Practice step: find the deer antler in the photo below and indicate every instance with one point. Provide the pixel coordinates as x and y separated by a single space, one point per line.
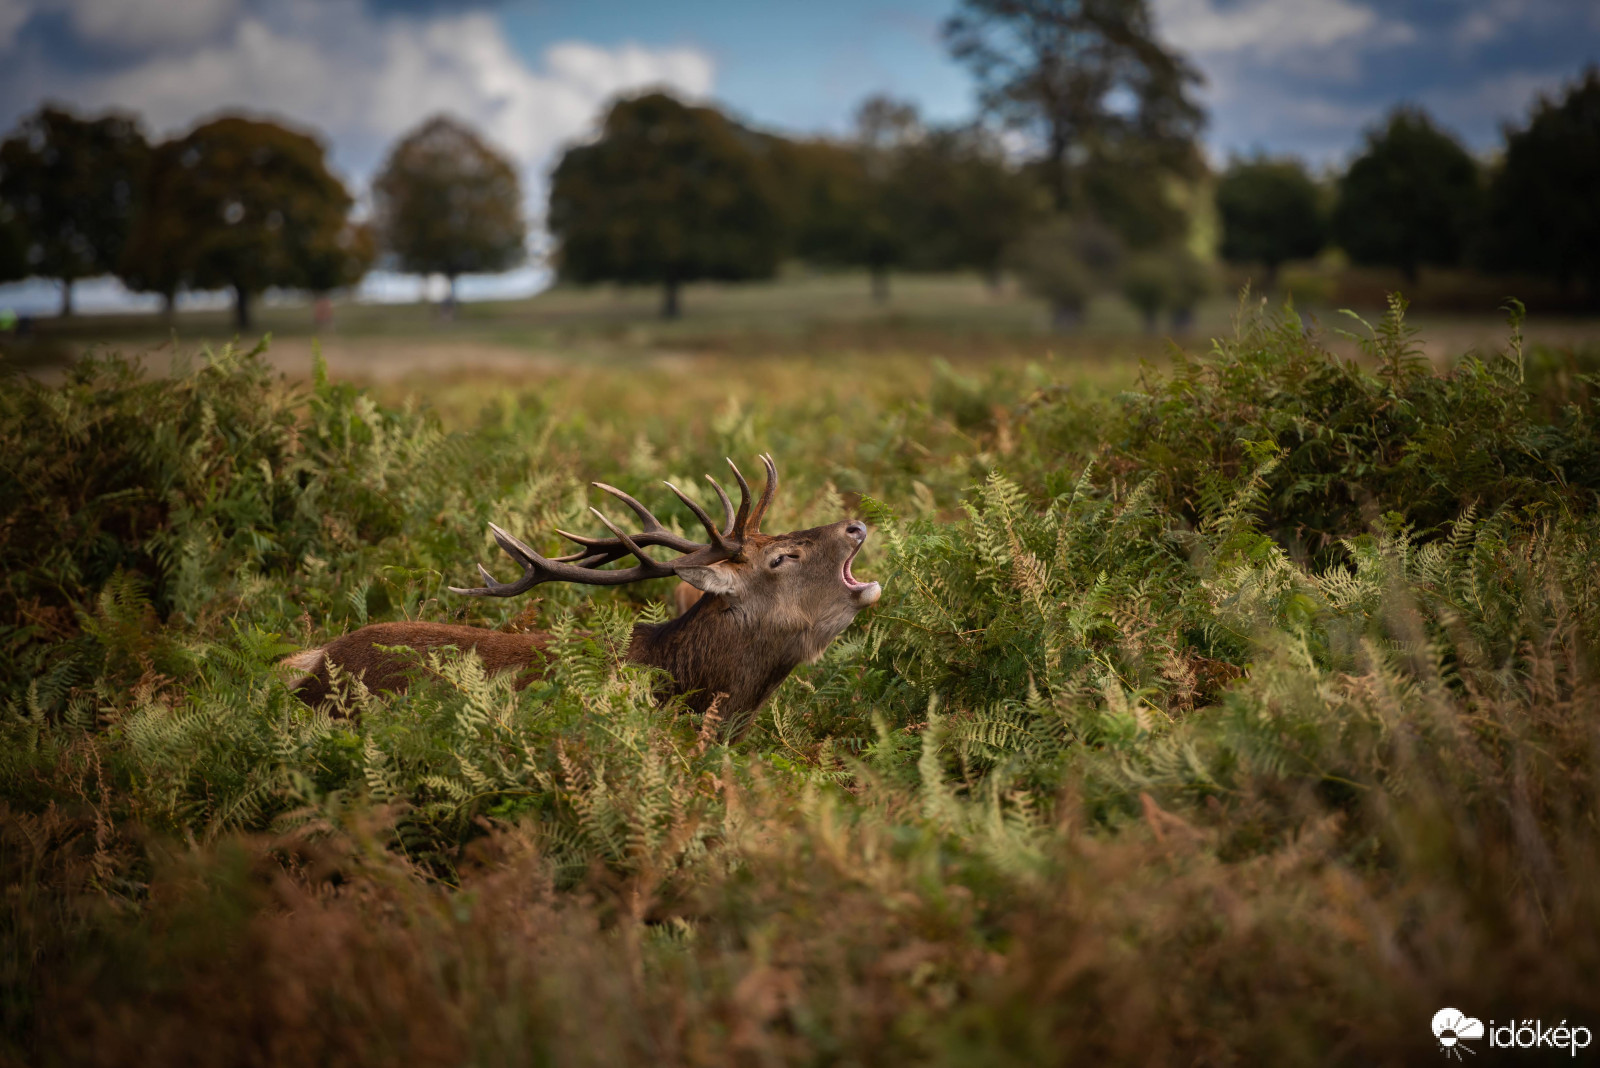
585 565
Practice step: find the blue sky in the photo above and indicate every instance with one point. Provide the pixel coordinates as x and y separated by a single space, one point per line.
1303 76
797 66
1284 76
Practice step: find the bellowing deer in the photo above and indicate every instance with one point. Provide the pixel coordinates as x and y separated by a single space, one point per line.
767 603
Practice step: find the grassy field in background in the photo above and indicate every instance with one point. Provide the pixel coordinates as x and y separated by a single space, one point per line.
817 317
1235 707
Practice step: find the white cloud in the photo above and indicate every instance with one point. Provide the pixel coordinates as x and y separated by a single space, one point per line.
13 13
364 79
1273 29
1506 98
145 25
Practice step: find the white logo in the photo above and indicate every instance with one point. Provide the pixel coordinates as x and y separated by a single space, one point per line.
1452 1027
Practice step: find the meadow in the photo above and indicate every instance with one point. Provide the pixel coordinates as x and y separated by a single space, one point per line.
1237 706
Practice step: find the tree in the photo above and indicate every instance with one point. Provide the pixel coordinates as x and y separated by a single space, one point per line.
340 259
1271 212
160 247
1171 280
448 203
1066 261
1412 198
668 194
1085 77
904 195
822 185
966 205
240 204
886 131
1544 202
73 184
13 245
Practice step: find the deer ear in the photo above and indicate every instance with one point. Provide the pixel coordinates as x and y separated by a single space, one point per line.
709 578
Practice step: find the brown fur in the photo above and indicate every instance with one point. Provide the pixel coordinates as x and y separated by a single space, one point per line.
757 617
358 654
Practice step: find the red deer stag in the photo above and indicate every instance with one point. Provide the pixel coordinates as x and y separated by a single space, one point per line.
768 602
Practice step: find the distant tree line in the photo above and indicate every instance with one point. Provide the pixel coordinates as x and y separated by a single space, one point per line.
1082 175
243 205
1414 197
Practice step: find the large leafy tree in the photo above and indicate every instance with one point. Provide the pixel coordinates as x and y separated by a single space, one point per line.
1271 212
448 203
668 194
240 204
966 204
72 184
158 257
1544 202
1066 261
1412 198
1086 78
13 245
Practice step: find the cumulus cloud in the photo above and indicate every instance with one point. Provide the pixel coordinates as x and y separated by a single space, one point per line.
361 77
13 13
1273 29
146 25
1284 72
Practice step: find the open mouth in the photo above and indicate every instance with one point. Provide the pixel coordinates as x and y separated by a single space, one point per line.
865 592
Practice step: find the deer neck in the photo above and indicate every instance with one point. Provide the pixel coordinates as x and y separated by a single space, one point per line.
715 648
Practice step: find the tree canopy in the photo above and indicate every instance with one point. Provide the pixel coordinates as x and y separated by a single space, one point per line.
1412 198
667 194
448 203
966 204
242 204
1544 202
1066 261
903 194
1271 212
71 186
1084 77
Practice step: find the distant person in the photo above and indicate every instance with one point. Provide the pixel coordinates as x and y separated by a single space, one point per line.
322 312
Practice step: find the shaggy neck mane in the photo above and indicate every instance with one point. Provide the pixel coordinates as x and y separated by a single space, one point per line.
714 648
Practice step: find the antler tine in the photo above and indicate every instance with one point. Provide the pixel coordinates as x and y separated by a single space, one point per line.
744 502
663 538
537 569
705 520
727 505
648 563
651 523
767 493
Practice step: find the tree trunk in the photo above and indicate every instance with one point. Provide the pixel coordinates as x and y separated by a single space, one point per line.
1066 316
241 307
66 298
880 285
1271 281
1152 322
450 296
169 307
670 308
1056 168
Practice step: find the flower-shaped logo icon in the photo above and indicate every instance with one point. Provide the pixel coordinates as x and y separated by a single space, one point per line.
1451 1027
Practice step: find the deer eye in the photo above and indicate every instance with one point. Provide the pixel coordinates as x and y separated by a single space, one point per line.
776 560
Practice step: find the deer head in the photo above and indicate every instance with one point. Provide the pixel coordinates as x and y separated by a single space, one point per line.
771 601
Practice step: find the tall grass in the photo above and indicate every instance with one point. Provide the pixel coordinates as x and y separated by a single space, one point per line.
1249 716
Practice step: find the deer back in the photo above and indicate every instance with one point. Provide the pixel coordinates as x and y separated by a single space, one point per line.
362 654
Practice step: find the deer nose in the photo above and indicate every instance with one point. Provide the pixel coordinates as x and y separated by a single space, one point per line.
857 530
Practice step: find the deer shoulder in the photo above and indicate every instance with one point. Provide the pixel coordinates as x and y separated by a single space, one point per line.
762 604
